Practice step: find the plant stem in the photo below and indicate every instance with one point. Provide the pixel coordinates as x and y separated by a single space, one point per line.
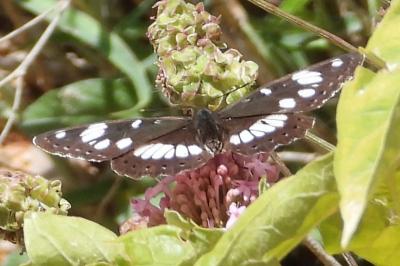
29 24
270 8
318 251
21 70
320 142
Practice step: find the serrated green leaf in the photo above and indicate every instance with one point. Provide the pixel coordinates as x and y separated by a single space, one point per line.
161 245
81 26
279 219
61 240
368 133
76 103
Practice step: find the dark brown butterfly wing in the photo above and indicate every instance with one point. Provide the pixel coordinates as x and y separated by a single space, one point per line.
302 91
168 154
264 133
106 140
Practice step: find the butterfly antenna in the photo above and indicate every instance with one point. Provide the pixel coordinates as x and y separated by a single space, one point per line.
224 95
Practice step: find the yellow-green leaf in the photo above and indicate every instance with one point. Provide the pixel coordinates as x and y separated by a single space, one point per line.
61 240
279 219
368 147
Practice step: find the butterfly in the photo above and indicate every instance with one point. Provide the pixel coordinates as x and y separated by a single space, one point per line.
270 116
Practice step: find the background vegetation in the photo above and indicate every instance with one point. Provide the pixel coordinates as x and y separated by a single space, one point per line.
98 65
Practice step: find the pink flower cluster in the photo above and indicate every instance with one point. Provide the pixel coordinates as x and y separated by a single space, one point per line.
213 195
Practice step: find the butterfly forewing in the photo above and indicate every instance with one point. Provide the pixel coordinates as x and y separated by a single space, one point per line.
168 154
302 91
106 140
152 146
250 135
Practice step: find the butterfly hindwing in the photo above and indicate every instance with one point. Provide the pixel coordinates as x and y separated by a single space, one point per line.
268 117
263 133
168 154
106 140
301 91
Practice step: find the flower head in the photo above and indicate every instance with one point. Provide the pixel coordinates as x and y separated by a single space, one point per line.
22 193
194 70
212 195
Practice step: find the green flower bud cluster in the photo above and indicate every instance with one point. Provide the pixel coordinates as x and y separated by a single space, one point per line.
195 68
21 194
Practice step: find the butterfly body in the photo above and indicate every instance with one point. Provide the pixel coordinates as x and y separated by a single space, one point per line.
209 131
268 117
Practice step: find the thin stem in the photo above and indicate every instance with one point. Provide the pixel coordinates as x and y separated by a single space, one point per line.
20 71
349 259
377 63
13 115
29 24
109 196
26 63
285 171
320 142
304 24
298 157
318 251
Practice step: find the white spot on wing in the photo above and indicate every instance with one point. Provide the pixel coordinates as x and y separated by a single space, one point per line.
306 93
257 133
162 151
337 62
287 103
235 140
123 143
60 134
141 150
274 123
195 150
277 117
306 77
246 136
93 132
150 151
310 80
258 126
102 144
170 154
181 151
266 91
136 123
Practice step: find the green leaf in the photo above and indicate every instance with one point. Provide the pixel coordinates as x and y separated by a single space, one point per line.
161 245
81 26
202 239
279 219
368 133
384 250
373 222
61 240
385 41
77 103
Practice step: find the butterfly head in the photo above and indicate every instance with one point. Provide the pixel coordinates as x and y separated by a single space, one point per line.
209 131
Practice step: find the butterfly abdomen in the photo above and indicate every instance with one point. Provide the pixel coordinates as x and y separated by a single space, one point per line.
209 131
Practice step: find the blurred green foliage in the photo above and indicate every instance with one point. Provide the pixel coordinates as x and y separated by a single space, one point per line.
114 78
